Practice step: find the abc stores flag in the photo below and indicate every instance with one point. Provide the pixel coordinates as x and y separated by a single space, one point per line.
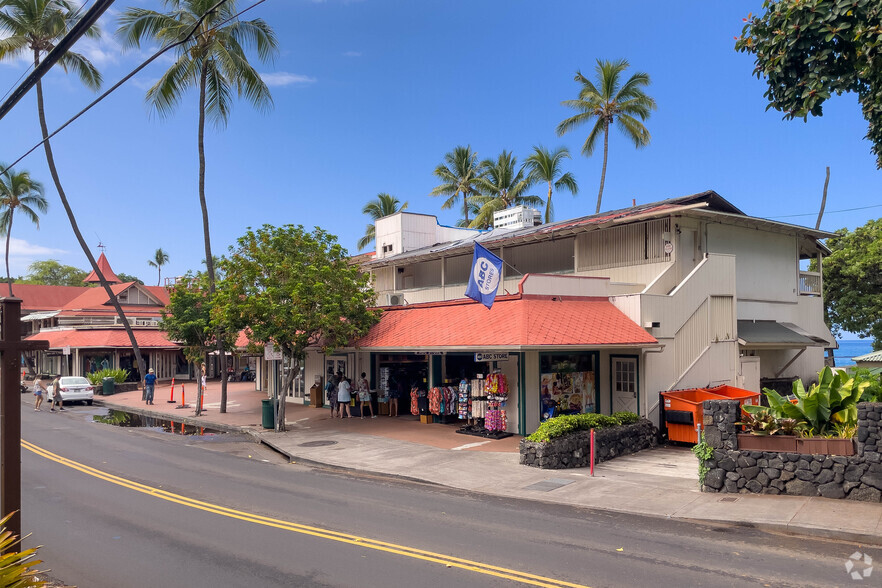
485 277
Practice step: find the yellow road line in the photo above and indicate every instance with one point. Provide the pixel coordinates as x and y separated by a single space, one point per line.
447 560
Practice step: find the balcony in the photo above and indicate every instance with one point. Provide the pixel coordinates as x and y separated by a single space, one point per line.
809 284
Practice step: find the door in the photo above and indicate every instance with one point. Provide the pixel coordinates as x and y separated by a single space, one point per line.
624 383
334 364
687 252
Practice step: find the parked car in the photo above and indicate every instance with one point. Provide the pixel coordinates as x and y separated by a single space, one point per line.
74 388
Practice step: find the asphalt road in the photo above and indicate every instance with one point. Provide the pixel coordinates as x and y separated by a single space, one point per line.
117 507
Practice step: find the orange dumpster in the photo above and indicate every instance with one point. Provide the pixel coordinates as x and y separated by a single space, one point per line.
733 393
684 415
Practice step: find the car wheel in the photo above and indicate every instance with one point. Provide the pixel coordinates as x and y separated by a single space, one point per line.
88 403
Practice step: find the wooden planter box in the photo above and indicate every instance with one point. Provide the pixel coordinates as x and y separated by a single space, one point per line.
779 443
840 446
812 445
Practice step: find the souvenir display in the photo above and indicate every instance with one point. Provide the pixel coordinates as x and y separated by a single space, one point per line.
567 393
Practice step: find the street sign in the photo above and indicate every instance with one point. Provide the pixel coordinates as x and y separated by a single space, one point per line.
479 356
270 353
65 350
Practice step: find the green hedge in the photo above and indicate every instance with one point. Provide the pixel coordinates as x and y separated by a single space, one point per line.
570 423
96 378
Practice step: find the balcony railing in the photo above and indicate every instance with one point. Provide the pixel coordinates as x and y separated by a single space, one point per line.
809 284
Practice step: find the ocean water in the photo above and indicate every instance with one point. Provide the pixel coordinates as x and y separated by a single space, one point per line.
851 348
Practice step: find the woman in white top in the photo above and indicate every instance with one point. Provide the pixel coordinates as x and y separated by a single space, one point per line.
364 395
344 396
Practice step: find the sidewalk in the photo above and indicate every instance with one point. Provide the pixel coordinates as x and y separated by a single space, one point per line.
662 482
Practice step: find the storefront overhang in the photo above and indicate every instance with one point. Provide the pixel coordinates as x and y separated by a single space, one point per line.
768 334
104 339
515 323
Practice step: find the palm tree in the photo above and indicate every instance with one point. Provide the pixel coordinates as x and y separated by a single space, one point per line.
160 258
212 60
502 184
382 205
544 166
32 28
458 174
613 102
19 192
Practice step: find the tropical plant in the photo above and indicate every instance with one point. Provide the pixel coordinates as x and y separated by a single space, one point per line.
212 59
544 166
31 28
458 174
17 567
383 205
97 377
571 423
761 422
873 391
160 258
19 192
504 184
704 452
608 102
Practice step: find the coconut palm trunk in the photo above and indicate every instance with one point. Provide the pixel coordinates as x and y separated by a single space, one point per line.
8 235
603 170
50 160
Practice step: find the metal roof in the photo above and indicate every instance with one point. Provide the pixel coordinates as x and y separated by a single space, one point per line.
874 356
775 335
38 316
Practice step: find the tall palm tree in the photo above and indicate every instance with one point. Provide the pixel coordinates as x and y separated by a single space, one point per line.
382 205
160 258
213 61
458 174
610 101
32 28
503 183
19 192
545 166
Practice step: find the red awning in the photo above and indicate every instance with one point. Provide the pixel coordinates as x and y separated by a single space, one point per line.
105 338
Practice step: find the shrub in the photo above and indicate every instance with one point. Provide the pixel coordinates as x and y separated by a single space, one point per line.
119 376
570 423
17 567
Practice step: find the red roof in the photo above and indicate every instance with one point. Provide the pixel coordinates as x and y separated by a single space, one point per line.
514 321
108 274
104 338
43 297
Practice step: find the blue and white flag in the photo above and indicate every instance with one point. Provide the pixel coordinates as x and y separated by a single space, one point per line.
485 277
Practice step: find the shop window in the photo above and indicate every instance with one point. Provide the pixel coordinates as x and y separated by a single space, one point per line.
567 384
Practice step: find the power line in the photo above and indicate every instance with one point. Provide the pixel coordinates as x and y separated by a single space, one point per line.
829 211
136 71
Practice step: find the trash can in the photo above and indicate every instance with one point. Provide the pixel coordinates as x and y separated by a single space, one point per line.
108 386
733 393
268 421
684 415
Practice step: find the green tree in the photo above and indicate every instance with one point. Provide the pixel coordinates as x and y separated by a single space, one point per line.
31 29
607 101
52 273
458 174
383 205
214 61
853 281
809 50
502 183
125 278
294 289
160 258
544 166
19 192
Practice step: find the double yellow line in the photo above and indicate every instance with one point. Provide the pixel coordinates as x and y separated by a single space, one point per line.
403 550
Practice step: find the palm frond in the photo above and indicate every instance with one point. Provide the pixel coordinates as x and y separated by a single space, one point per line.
82 68
634 130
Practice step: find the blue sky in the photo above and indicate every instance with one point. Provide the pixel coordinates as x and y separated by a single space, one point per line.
370 95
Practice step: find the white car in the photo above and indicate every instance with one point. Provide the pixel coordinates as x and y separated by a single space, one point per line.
73 388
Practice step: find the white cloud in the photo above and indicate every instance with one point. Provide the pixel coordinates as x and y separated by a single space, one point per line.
281 78
352 54
23 253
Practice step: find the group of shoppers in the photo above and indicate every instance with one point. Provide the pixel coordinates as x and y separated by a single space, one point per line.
40 390
340 391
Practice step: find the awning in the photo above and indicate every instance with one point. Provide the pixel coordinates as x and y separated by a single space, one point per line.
105 339
38 316
517 322
765 334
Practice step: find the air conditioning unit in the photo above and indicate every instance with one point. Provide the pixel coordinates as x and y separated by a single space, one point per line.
395 299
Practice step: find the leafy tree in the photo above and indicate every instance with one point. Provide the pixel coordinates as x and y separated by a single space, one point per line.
212 60
502 183
295 289
458 174
19 192
53 273
160 258
382 205
606 101
809 50
544 166
125 278
853 281
32 28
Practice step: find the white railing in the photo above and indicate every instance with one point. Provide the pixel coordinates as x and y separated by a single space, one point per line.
809 283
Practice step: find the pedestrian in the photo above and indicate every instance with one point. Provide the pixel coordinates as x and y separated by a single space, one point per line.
364 395
331 394
396 391
39 390
56 395
344 397
149 385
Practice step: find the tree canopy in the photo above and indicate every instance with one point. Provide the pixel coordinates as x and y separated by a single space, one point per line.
52 273
808 50
295 289
187 318
853 281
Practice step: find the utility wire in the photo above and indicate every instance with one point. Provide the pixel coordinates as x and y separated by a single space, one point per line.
829 211
135 71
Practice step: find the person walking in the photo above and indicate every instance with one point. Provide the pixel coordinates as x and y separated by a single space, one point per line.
56 395
331 394
344 397
39 390
149 386
364 395
396 391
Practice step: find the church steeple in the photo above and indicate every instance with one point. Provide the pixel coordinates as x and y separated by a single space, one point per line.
104 266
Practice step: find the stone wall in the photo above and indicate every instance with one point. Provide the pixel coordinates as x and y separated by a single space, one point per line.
856 477
574 451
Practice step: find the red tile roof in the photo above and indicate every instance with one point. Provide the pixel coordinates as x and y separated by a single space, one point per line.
104 266
104 338
514 321
41 297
